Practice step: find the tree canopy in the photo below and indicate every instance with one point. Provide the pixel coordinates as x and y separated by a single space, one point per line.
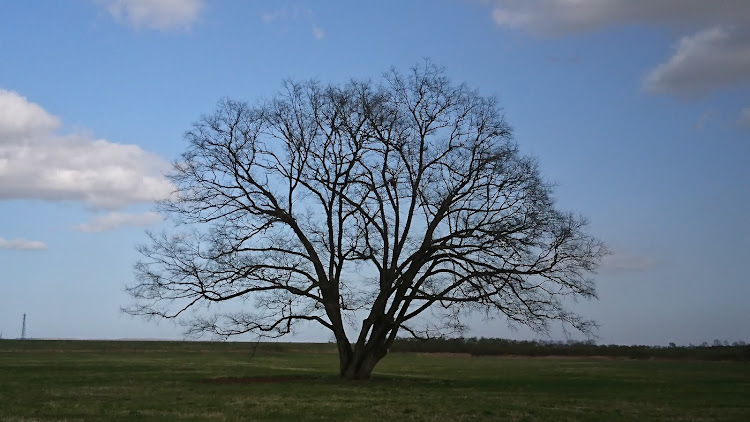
376 208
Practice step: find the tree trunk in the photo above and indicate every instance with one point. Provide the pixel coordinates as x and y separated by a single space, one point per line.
360 364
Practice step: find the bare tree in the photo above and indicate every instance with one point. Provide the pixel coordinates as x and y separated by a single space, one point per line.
391 207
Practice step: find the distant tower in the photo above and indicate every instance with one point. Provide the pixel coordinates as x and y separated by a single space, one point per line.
23 328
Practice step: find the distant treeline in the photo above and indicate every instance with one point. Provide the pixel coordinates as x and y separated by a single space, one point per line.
717 350
497 346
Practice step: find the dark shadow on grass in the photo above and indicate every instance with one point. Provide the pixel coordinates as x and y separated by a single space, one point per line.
376 380
268 379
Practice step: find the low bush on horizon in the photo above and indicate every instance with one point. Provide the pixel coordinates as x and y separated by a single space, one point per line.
738 351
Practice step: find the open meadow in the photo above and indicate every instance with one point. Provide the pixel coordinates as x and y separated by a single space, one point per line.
196 381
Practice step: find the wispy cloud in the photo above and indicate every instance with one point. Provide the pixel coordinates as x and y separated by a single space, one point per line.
716 54
155 14
269 17
294 14
116 220
744 119
704 119
38 163
287 13
22 244
317 32
562 17
620 261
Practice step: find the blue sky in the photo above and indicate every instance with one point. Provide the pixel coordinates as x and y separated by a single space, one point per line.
638 110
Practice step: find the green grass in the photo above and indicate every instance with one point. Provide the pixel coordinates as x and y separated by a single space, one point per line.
185 381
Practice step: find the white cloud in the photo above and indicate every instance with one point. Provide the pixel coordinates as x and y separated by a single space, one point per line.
18 117
620 261
115 220
744 119
22 244
558 17
710 59
155 14
38 163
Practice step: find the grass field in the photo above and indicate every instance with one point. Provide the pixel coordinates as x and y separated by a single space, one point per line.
190 381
